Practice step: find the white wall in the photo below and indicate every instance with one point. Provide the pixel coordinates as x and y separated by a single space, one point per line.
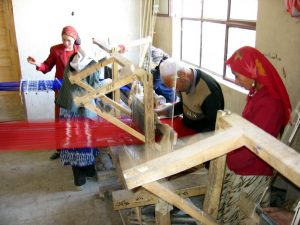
38 25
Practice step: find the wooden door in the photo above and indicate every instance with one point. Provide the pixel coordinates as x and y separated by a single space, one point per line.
10 101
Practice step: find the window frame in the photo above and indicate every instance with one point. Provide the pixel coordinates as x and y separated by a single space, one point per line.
168 13
229 23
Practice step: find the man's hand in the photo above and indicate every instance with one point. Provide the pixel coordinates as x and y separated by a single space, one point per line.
163 110
281 216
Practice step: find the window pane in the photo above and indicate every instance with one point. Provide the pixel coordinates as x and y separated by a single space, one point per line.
216 9
238 38
191 8
243 10
191 41
213 41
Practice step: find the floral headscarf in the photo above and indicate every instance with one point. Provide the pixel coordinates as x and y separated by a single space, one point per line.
251 63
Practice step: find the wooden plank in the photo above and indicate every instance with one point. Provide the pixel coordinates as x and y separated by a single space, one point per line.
116 105
163 218
114 152
115 121
149 128
99 92
121 60
102 45
172 198
187 185
12 107
10 65
280 156
115 77
103 97
143 53
132 44
138 42
183 158
215 181
76 77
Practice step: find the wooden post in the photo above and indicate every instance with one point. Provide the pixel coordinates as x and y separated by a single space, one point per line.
162 218
149 113
215 180
174 199
115 77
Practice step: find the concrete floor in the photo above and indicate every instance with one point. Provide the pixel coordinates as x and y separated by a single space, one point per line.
37 191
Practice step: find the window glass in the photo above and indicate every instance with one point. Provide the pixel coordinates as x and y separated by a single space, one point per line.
220 35
191 8
191 41
238 38
216 9
243 10
213 45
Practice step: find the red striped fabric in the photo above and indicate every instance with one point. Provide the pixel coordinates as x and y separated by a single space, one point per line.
16 136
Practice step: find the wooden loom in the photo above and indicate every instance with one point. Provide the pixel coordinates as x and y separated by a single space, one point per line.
130 75
150 171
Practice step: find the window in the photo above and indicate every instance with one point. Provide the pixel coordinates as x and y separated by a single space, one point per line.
210 31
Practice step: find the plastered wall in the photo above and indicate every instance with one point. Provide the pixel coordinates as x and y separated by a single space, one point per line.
38 25
278 37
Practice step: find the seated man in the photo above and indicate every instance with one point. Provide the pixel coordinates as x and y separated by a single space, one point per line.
200 95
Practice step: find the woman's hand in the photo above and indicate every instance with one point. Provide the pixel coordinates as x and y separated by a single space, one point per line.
32 61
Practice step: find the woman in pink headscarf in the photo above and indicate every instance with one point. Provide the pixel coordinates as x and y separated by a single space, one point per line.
59 57
59 54
268 107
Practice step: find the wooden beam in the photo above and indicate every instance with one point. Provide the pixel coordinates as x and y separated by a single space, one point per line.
116 105
115 121
102 45
280 156
121 60
149 128
115 77
76 77
138 42
274 152
184 158
172 198
162 215
186 185
109 49
98 93
215 182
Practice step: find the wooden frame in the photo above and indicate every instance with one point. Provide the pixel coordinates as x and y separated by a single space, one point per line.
132 74
232 132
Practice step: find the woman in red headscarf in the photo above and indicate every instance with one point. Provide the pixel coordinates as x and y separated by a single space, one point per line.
268 107
59 57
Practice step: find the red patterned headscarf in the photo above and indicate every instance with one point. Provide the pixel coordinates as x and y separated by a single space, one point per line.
70 31
251 63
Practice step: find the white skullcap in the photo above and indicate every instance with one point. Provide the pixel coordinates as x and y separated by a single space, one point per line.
82 59
169 67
